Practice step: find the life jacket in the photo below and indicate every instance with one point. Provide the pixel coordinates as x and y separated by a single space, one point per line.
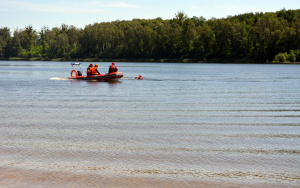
89 71
140 77
94 70
113 68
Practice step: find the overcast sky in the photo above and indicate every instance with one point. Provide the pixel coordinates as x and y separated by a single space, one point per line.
52 13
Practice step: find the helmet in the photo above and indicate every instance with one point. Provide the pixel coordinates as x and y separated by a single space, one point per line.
96 65
113 63
91 64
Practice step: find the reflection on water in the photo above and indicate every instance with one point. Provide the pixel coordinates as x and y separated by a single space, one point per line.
200 121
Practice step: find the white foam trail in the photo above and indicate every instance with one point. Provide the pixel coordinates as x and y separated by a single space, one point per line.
59 78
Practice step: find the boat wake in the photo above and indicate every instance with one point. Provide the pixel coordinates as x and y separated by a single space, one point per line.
59 78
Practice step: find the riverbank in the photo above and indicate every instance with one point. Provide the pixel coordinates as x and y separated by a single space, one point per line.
214 60
14 177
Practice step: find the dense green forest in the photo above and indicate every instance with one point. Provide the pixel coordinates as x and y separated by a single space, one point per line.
253 37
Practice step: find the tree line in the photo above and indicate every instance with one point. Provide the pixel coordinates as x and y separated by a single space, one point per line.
262 37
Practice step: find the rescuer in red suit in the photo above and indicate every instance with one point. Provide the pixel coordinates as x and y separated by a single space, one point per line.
140 77
112 68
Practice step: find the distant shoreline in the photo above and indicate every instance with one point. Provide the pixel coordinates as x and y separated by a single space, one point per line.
215 60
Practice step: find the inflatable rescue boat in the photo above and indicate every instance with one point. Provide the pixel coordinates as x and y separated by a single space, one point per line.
77 75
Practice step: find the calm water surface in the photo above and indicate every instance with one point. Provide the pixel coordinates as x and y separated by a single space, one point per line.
233 121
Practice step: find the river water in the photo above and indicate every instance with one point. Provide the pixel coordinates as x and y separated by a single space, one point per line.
229 122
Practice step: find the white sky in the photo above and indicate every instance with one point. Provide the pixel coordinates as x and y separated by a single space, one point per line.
16 14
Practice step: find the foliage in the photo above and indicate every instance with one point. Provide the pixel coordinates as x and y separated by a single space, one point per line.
281 57
257 36
292 57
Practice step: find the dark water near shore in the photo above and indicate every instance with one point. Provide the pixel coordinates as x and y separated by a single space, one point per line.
233 121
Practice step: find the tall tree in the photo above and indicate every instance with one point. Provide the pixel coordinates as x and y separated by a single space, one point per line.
4 38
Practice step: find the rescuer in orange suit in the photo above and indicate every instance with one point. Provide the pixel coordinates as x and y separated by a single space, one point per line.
95 70
112 68
89 69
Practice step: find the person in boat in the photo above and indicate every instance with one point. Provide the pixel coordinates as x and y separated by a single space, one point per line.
112 68
95 70
89 69
140 77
